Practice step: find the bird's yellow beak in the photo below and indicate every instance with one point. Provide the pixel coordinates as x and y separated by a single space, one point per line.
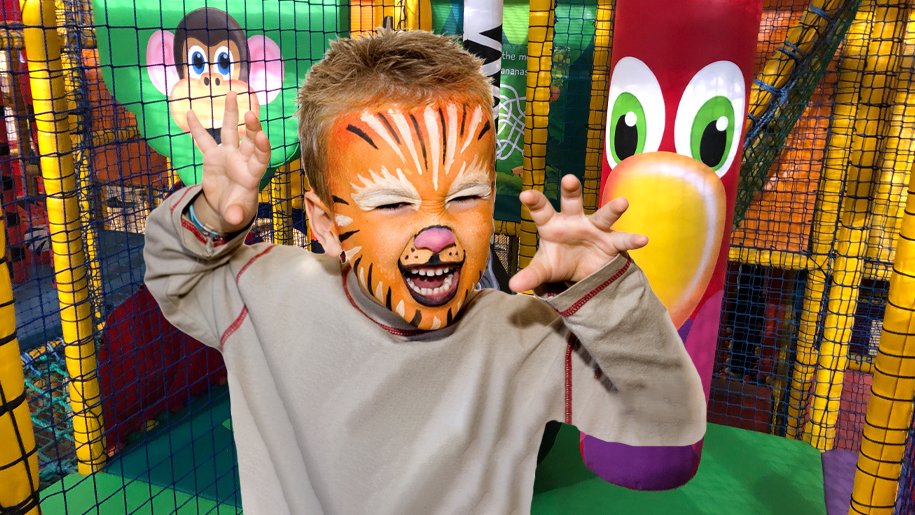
679 203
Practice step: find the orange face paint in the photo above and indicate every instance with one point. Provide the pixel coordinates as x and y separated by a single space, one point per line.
412 197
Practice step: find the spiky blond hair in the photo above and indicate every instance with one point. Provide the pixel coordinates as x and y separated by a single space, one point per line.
399 68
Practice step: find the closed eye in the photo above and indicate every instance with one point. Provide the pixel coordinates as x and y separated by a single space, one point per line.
393 206
470 191
466 198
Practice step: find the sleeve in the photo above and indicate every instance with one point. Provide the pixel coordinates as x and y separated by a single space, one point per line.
632 379
188 273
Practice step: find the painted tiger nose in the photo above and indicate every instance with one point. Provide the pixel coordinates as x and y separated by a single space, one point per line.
434 239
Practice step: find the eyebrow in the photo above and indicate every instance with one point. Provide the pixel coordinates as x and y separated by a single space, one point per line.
472 179
383 187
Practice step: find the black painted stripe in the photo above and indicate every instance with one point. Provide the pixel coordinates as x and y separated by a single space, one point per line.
485 129
387 125
441 117
339 200
422 140
345 236
359 132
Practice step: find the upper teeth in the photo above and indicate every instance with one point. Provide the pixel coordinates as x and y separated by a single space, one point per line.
432 271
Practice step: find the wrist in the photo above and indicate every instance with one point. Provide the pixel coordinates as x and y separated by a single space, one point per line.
212 235
208 219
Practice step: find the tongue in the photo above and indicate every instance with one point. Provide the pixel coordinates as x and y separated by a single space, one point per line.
425 281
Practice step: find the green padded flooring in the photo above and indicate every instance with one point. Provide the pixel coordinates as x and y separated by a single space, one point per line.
192 471
741 473
186 465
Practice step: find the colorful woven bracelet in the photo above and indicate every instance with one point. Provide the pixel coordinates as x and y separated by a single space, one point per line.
207 231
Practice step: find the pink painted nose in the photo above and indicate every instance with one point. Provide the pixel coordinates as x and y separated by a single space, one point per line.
434 239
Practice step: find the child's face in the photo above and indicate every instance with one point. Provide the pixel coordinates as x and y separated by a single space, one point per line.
412 194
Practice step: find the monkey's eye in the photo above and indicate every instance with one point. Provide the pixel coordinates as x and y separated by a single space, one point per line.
224 62
196 61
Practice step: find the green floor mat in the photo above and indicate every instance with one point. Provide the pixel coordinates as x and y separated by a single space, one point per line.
196 456
187 464
742 472
105 493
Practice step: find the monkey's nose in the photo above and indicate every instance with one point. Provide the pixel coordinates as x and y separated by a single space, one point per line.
206 81
217 80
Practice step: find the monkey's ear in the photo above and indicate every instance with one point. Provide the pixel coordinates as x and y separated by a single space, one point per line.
265 68
160 61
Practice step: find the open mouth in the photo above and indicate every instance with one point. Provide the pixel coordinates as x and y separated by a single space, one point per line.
432 285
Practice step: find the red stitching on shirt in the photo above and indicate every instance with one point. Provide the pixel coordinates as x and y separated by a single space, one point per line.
233 327
252 260
582 301
568 390
187 224
181 198
393 330
193 228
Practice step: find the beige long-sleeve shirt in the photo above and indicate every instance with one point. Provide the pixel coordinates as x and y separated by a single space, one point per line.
339 407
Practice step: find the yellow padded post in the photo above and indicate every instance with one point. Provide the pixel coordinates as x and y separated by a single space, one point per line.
70 271
536 117
597 114
826 214
875 92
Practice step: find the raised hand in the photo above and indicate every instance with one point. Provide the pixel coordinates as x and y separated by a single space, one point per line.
572 245
232 170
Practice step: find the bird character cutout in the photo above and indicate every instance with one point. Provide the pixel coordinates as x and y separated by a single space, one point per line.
680 78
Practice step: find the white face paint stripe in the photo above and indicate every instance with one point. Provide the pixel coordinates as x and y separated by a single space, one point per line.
400 309
343 221
452 125
375 124
435 142
352 252
405 134
379 291
436 323
472 128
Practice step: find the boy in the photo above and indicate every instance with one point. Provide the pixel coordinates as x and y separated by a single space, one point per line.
380 381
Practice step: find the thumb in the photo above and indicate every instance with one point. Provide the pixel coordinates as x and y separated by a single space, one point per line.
234 215
535 274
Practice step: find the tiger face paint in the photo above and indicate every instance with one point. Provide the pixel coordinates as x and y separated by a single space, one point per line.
412 197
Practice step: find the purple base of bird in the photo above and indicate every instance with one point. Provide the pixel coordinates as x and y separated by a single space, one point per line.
661 467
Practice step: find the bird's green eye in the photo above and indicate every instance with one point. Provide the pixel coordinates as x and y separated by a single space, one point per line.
713 132
635 117
627 127
710 116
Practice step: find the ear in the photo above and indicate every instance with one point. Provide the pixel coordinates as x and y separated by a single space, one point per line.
265 68
160 61
321 221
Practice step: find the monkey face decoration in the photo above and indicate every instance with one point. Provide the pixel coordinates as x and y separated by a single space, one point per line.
161 60
206 57
412 194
